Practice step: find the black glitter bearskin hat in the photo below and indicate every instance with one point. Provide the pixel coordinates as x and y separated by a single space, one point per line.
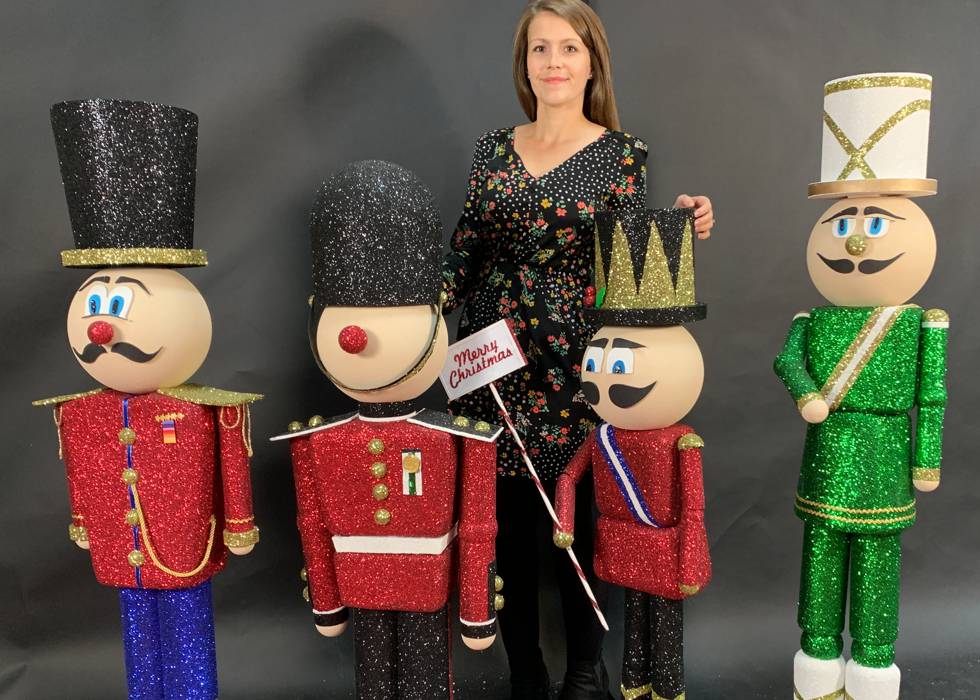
129 170
644 269
377 239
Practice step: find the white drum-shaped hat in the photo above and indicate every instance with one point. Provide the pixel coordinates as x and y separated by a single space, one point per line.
875 136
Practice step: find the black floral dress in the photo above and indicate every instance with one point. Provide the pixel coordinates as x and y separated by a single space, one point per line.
523 251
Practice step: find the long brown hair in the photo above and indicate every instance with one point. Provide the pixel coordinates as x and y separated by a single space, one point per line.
600 104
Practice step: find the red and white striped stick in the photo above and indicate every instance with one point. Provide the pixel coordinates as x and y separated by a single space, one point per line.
550 509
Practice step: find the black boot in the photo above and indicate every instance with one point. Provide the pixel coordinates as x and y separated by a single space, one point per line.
584 681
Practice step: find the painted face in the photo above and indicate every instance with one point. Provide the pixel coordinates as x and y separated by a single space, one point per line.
382 354
558 63
642 378
139 329
871 251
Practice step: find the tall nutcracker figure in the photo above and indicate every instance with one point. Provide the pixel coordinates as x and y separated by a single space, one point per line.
157 468
395 503
856 368
642 373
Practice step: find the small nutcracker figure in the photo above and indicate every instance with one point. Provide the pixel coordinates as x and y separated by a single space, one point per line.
395 503
642 373
157 469
856 369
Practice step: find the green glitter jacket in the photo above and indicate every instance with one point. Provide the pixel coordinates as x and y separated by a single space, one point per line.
872 365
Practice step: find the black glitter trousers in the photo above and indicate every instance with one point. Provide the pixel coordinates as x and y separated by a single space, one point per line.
653 652
401 655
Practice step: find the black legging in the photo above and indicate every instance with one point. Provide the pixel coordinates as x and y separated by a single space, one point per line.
519 547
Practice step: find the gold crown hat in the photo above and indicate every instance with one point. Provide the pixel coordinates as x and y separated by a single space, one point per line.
875 136
644 269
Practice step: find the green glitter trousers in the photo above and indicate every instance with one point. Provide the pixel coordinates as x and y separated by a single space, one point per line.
872 564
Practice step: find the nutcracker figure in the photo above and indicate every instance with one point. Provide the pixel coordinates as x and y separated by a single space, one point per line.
395 503
856 368
157 468
642 373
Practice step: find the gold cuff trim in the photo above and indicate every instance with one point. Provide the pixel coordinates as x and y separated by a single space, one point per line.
77 533
874 81
240 521
855 511
807 398
690 441
634 693
655 696
563 540
241 539
832 695
120 257
925 474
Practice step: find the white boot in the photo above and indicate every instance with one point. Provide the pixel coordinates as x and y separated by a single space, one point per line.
817 679
866 683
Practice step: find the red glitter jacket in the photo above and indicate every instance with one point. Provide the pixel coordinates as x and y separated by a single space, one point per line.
666 466
142 482
394 512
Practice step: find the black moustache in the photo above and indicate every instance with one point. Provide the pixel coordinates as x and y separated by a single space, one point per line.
625 396
869 267
591 393
843 265
92 352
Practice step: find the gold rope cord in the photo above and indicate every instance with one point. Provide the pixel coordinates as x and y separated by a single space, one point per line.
57 426
856 159
145 536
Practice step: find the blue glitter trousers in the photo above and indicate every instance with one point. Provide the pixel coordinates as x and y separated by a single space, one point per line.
168 637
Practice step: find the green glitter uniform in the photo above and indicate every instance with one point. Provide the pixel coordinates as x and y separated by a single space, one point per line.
872 366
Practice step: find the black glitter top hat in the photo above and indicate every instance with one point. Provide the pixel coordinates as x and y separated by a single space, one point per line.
644 268
129 174
377 239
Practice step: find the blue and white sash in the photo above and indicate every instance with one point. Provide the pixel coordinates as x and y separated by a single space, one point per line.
624 477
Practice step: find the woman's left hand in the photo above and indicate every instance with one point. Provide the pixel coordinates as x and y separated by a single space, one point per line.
704 218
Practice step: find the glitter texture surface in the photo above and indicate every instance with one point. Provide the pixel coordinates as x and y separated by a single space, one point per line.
168 638
376 237
129 171
337 471
653 650
173 482
654 560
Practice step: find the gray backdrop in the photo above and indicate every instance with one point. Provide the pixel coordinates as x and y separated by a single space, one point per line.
729 97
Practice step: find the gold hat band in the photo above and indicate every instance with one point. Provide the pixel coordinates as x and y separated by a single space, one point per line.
902 187
120 257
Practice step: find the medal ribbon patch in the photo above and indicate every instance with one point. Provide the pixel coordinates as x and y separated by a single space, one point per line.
411 473
169 432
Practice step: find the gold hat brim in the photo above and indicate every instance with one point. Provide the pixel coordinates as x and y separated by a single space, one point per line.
134 257
902 187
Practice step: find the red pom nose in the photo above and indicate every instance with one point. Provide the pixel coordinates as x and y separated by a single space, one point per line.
100 333
352 339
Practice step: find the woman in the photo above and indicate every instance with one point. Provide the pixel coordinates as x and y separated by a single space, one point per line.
523 250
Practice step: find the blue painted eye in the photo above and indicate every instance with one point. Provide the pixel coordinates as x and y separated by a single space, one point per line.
94 304
843 227
876 226
590 365
116 305
619 367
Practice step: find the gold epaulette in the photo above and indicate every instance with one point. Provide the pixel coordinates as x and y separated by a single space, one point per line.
690 441
209 396
935 318
54 400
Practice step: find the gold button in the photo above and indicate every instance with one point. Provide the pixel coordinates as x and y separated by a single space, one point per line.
294 426
136 558
315 421
482 426
498 602
498 584
411 464
132 518
461 421
306 594
382 516
379 469
380 492
127 436
130 476
302 575
375 446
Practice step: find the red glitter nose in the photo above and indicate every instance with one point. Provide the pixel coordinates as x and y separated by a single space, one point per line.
100 333
352 339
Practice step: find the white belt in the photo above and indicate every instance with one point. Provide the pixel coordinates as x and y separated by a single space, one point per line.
384 544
